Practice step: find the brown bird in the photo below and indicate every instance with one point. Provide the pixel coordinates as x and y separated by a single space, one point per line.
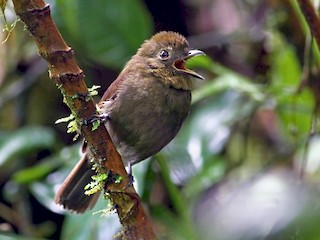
143 109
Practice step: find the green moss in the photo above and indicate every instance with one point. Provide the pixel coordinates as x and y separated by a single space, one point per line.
72 126
96 185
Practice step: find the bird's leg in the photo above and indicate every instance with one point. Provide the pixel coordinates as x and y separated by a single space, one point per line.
131 178
101 117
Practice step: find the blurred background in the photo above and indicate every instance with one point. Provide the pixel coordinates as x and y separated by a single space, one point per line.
245 164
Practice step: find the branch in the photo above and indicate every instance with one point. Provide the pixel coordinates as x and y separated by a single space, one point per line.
69 78
311 17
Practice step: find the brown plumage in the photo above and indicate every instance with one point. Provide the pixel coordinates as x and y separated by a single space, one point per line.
146 106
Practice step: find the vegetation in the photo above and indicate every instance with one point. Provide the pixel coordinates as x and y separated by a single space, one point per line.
244 166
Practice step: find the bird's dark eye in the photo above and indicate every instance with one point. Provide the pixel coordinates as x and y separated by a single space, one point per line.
164 54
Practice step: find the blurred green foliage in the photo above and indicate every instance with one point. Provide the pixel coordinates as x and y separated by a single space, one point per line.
242 128
109 38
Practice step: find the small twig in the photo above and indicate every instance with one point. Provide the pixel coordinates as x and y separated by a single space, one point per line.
312 18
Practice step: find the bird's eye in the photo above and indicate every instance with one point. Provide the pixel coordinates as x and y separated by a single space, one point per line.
164 54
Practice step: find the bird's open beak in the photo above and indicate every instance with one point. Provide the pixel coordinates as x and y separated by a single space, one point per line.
180 64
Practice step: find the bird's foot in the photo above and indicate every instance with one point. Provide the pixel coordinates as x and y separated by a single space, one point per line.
99 117
102 117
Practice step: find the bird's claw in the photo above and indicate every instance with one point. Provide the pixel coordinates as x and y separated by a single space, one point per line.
101 117
130 181
131 178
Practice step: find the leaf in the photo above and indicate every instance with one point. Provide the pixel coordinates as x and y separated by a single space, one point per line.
204 62
204 134
37 172
48 165
226 82
112 36
89 226
24 141
295 110
45 190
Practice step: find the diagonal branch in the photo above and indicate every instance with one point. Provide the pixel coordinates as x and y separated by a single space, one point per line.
312 18
69 78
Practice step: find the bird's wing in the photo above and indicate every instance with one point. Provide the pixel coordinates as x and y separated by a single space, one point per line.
113 89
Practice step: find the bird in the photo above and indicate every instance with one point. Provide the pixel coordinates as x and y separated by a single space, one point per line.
143 110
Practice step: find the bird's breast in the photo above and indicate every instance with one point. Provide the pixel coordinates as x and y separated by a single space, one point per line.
146 117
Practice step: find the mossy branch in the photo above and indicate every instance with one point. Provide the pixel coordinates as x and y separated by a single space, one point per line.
69 78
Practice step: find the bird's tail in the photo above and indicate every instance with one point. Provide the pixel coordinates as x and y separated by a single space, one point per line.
71 194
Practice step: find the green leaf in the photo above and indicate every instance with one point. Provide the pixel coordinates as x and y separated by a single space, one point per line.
24 141
90 226
226 82
47 165
32 174
286 70
44 190
112 36
204 62
295 110
192 153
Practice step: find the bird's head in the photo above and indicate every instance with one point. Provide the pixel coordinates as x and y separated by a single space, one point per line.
166 54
